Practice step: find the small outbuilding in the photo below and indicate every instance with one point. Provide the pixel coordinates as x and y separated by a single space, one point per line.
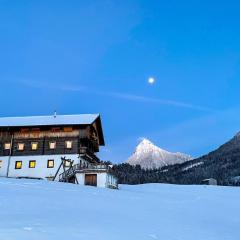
209 181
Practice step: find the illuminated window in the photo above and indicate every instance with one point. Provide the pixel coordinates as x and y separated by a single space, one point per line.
67 163
32 164
52 145
1 163
68 144
34 145
20 146
18 164
7 146
50 164
67 129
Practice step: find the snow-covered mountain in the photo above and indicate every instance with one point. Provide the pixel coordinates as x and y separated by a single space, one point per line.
150 156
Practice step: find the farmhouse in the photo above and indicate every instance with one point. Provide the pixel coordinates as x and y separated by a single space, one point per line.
59 147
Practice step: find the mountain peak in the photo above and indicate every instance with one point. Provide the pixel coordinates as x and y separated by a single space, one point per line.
145 141
146 145
150 156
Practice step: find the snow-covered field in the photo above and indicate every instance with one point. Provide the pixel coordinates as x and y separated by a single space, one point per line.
40 210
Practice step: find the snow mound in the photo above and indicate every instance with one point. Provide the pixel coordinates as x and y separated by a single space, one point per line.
149 156
58 211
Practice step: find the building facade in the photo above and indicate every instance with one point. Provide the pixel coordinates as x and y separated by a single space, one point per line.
60 147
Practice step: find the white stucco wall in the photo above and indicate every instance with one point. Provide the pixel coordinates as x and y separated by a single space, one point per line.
80 178
41 170
101 178
3 168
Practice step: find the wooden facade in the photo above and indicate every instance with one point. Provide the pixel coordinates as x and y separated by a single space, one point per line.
83 139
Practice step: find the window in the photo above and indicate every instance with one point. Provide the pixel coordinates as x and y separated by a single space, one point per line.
50 164
34 146
7 146
68 144
1 163
24 130
32 164
18 164
52 145
68 129
56 129
20 146
67 163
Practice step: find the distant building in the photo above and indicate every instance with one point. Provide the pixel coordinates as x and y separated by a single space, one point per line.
58 147
210 181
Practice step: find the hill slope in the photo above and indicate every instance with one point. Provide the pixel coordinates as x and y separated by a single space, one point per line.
149 156
222 164
58 211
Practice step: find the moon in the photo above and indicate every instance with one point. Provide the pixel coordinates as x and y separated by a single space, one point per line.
151 80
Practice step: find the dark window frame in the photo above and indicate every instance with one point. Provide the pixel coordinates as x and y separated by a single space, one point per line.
66 143
16 162
50 160
55 146
20 150
7 143
29 164
67 163
32 143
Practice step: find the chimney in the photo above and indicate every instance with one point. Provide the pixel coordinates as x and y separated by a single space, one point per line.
55 114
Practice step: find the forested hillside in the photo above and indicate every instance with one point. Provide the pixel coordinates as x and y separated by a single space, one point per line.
222 164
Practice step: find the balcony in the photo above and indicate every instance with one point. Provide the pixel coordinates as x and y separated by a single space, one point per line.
90 144
79 168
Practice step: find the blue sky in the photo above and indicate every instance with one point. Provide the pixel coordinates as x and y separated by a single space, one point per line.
96 57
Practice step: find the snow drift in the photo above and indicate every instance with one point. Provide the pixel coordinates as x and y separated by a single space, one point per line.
37 210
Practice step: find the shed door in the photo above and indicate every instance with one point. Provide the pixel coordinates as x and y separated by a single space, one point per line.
91 179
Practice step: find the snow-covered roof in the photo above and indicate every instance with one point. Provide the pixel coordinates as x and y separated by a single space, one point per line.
48 120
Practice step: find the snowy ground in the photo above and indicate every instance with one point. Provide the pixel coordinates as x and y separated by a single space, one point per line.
40 210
